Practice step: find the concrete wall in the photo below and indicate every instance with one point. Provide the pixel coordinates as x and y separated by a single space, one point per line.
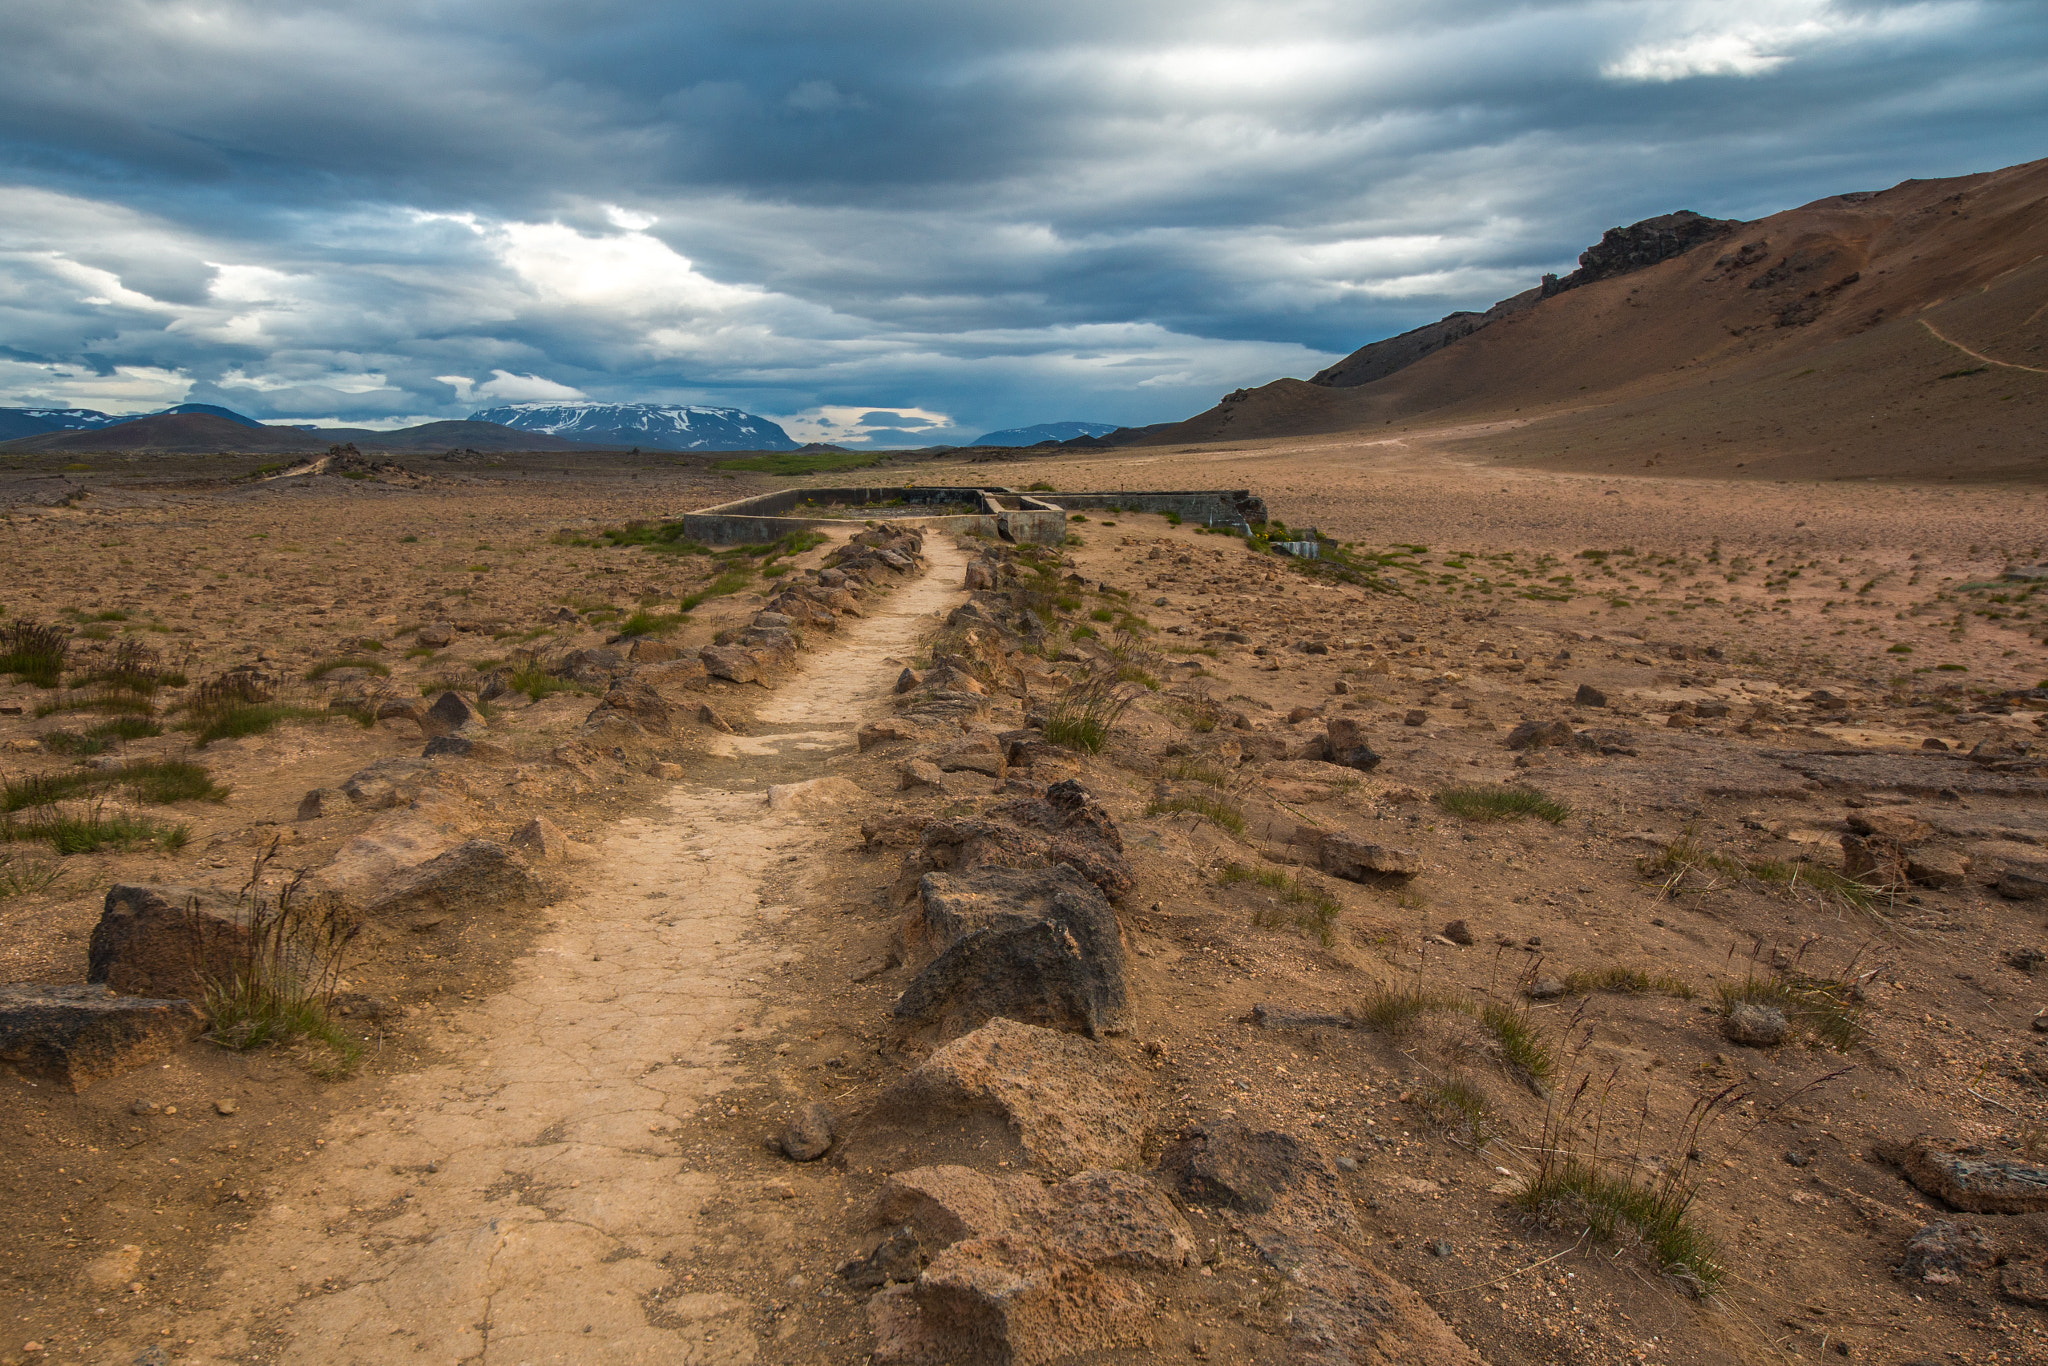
1025 519
1196 505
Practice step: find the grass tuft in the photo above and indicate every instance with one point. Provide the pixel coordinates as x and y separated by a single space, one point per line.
1501 804
1826 1007
1313 911
22 875
1572 1192
279 987
1220 810
94 829
32 652
1396 1011
328 666
1459 1106
1201 771
1627 981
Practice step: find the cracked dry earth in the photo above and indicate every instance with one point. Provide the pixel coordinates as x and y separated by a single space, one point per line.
530 1198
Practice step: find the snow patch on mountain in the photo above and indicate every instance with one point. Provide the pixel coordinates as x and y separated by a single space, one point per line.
652 426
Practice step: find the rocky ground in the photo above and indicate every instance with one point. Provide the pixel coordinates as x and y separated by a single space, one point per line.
1245 1037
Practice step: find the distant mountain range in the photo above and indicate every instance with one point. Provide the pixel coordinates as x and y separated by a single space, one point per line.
16 422
1044 431
202 427
652 426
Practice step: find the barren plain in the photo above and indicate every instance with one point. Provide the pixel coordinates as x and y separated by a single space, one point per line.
1776 745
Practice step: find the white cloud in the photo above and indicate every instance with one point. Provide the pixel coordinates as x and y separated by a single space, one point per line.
1756 37
511 388
844 424
129 389
340 382
822 97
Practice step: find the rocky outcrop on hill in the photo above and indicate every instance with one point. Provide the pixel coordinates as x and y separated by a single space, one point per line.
1618 252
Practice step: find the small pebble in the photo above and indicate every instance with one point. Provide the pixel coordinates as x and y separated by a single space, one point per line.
1347 1164
225 1107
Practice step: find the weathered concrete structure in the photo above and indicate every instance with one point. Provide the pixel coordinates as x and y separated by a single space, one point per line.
1007 514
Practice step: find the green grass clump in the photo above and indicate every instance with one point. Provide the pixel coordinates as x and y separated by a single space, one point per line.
22 875
239 719
1201 771
537 683
1522 1049
32 652
1825 1007
1086 713
1458 1105
158 782
1501 804
1685 862
1572 1192
1220 810
1309 908
1627 981
1395 1012
791 463
1523 1053
88 832
328 666
646 623
728 582
278 985
1137 673
1173 519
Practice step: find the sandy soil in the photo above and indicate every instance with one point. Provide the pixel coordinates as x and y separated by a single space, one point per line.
555 1148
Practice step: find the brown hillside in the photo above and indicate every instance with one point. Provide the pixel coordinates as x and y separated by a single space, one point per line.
1896 334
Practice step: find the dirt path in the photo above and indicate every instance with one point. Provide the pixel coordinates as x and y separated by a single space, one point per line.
1979 355
521 1201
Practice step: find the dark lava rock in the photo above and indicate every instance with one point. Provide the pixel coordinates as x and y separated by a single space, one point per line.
1038 945
808 1135
82 1034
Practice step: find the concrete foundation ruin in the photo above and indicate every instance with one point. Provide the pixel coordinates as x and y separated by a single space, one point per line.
1003 513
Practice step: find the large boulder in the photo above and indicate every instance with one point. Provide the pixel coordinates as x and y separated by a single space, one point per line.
1357 860
475 876
1007 1299
78 1035
1064 826
636 701
1040 945
1052 1100
730 662
451 712
166 942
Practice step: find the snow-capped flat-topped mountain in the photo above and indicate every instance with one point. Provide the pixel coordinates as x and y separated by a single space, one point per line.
653 426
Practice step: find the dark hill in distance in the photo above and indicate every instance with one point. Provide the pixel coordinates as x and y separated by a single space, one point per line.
1896 334
180 433
202 433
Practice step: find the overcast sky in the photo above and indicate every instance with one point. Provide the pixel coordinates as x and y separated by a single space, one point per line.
895 222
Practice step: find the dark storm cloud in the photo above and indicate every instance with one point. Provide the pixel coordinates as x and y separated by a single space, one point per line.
983 215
